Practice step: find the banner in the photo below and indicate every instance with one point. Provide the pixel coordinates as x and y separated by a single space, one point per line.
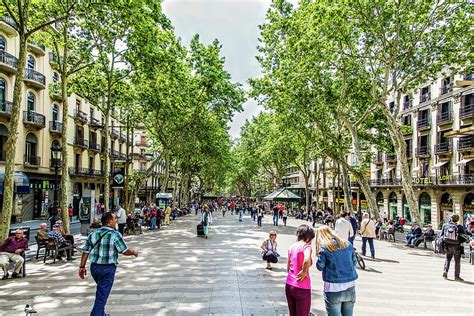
119 175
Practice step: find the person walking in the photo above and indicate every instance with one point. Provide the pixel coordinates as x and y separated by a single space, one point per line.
336 260
451 233
259 215
298 281
206 220
284 216
102 248
275 215
240 207
343 227
367 231
121 218
269 249
153 219
167 216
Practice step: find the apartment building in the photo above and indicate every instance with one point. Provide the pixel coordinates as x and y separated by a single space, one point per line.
41 128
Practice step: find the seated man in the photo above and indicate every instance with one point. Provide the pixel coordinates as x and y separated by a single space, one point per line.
43 232
429 232
415 233
56 234
68 237
11 251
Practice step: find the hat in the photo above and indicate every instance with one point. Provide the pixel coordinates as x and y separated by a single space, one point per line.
455 217
56 225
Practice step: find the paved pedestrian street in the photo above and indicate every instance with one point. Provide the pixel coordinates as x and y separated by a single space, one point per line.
177 273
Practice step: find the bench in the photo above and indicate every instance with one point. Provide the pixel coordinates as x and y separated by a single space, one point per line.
53 249
42 244
428 239
26 233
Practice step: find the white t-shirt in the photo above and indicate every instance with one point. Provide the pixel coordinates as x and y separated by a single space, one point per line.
121 216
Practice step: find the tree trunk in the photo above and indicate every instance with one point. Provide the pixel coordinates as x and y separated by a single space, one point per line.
107 158
347 189
8 187
64 152
306 190
400 150
166 174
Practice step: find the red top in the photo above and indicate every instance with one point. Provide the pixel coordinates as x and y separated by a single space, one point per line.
12 244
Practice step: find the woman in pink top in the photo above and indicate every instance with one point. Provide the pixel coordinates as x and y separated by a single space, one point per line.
298 282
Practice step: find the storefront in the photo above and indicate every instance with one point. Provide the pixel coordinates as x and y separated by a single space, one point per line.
468 209
380 201
445 208
425 208
392 205
21 189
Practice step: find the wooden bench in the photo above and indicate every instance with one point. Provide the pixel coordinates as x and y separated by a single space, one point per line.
53 248
26 234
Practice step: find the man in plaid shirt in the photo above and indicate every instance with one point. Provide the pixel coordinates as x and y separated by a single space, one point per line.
102 247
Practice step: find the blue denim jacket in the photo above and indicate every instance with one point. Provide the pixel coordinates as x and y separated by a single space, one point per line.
337 266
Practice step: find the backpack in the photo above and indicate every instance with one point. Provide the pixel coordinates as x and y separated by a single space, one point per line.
450 233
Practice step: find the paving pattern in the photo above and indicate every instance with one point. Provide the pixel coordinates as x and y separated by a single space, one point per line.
178 273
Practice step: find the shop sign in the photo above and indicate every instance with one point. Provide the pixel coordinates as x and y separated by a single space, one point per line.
426 180
119 175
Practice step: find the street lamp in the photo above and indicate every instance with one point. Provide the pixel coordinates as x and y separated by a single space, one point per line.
56 158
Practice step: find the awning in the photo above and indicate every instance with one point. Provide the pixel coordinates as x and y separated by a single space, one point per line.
464 161
461 132
439 164
388 170
22 184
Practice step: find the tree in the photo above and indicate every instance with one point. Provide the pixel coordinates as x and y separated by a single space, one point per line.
29 18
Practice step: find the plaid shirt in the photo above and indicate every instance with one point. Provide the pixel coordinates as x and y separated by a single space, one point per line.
106 252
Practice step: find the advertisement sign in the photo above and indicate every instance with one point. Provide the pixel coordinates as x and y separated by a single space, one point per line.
119 175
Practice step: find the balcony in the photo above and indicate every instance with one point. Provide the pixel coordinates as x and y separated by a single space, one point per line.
80 116
85 172
8 25
141 143
123 137
425 97
444 118
391 158
377 159
95 123
32 161
385 182
6 109
123 156
94 146
406 129
466 143
467 111
114 134
8 63
55 92
81 143
423 124
35 48
444 148
53 60
55 127
423 151
34 79
114 154
446 88
34 119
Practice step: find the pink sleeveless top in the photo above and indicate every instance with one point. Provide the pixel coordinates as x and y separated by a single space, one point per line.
296 257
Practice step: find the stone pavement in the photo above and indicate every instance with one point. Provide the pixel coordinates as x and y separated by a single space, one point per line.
178 273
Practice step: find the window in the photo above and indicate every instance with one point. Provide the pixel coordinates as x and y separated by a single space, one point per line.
55 112
92 113
102 165
31 63
3 141
55 76
3 92
77 162
31 149
407 120
446 85
30 102
3 43
91 163
425 94
407 102
79 133
442 139
78 105
423 141
391 106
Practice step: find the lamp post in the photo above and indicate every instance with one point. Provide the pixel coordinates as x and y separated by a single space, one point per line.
56 157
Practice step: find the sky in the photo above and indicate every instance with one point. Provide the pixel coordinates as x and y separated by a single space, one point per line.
235 24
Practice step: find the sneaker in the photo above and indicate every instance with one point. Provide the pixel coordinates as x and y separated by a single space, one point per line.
5 276
459 279
373 257
445 275
15 275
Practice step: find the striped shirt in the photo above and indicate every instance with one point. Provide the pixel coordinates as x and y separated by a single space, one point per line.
106 252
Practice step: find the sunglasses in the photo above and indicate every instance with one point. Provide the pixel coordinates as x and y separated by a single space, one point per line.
273 234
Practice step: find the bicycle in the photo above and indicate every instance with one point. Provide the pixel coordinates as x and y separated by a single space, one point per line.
360 260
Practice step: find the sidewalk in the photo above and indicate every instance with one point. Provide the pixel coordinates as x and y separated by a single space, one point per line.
35 224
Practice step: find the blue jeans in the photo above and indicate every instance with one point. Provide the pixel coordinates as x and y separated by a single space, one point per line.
241 215
409 239
340 303
259 221
275 220
153 223
103 275
371 245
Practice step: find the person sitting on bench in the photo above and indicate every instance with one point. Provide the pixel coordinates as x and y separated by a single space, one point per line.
415 233
11 251
56 234
429 232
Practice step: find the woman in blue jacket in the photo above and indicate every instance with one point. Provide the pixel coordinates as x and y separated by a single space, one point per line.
337 261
